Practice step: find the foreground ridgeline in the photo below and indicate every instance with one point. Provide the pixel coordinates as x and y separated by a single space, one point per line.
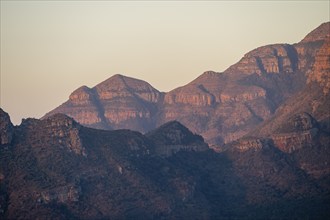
6 127
222 107
58 169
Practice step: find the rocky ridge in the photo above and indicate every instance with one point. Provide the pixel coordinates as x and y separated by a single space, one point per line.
6 128
222 107
56 168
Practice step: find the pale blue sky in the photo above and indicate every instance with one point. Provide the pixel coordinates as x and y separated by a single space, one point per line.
50 48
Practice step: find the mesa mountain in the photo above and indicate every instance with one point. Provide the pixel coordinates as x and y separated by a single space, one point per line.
222 107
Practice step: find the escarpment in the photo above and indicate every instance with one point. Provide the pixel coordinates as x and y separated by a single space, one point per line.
222 107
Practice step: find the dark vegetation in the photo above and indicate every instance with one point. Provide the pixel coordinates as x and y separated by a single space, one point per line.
49 173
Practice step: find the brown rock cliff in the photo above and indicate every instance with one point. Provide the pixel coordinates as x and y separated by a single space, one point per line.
118 102
220 106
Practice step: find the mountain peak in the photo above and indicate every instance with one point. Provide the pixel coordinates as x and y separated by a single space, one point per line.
119 81
116 81
173 137
113 103
320 33
122 86
173 133
119 77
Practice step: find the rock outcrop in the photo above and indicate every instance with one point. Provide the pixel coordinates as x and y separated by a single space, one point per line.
290 142
65 131
321 67
278 58
63 194
6 128
299 131
298 122
303 136
173 137
255 144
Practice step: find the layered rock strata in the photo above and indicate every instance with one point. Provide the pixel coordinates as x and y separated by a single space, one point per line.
222 107
119 102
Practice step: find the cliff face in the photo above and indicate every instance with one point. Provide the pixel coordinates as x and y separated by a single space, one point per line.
301 130
6 128
128 103
301 125
278 58
321 67
222 107
119 102
216 106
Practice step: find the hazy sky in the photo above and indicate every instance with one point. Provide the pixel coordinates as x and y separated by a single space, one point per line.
50 48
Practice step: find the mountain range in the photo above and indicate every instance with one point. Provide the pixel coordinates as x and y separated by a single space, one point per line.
222 107
252 142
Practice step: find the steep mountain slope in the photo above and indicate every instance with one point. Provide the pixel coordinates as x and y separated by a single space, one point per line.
57 169
222 107
314 98
301 126
225 106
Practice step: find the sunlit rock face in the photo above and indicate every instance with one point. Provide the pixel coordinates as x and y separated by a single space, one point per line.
222 107
118 102
278 58
321 67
